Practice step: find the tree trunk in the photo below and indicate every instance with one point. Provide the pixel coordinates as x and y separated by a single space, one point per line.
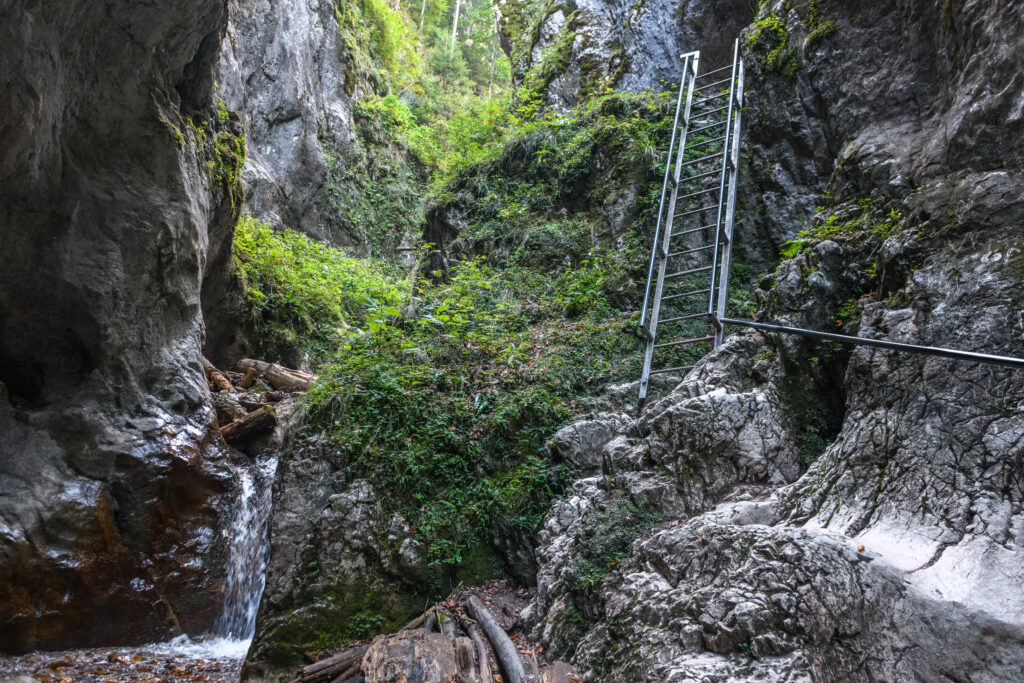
253 424
279 376
504 649
216 377
494 42
423 13
455 22
330 668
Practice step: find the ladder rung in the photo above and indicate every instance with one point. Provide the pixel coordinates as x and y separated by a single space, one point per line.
704 142
716 155
716 71
702 175
690 251
709 113
682 318
708 98
667 370
701 209
712 85
681 273
695 340
710 125
680 296
693 230
697 193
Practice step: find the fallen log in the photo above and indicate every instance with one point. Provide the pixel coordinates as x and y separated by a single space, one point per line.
253 424
278 376
216 377
349 673
330 668
465 657
483 659
504 650
418 621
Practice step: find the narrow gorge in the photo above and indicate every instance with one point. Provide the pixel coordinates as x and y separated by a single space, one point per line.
319 349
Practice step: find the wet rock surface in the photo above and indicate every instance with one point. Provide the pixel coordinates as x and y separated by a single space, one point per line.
149 664
334 555
113 486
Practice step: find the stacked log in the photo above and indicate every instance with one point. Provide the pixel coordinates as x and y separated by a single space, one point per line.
440 645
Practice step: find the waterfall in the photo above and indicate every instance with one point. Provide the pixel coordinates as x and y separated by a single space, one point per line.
247 560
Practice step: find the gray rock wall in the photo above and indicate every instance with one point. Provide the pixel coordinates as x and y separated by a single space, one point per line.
111 485
892 556
282 65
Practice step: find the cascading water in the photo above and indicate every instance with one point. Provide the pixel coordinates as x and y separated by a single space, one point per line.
216 658
247 538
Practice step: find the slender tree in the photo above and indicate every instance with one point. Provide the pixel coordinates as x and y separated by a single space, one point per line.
494 42
455 22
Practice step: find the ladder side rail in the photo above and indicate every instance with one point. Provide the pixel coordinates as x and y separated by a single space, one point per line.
664 191
726 148
690 80
730 211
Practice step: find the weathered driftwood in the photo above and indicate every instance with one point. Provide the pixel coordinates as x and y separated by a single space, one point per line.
418 621
447 625
250 377
465 657
278 376
216 377
253 424
349 673
330 668
482 657
504 650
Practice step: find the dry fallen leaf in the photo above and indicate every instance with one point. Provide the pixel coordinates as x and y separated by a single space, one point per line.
577 679
497 678
860 548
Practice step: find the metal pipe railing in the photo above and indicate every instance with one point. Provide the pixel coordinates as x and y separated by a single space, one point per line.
956 354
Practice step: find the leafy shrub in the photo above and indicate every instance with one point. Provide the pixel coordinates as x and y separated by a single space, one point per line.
447 406
303 292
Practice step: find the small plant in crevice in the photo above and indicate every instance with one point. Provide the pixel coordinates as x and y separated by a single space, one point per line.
812 440
607 534
770 37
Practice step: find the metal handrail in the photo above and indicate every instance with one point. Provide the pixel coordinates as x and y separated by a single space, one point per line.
956 354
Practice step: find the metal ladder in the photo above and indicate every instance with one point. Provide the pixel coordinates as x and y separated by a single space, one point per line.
692 293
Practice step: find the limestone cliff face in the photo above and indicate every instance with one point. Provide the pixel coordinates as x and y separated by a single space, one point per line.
281 64
118 175
571 50
892 557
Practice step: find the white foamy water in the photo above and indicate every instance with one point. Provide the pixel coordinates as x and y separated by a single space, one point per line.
247 562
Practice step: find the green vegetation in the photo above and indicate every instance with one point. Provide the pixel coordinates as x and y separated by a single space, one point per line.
229 153
448 405
861 219
442 386
812 439
307 294
818 27
771 38
608 533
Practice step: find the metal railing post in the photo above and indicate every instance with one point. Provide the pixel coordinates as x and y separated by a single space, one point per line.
730 206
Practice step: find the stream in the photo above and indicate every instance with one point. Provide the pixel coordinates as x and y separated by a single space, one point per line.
216 657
